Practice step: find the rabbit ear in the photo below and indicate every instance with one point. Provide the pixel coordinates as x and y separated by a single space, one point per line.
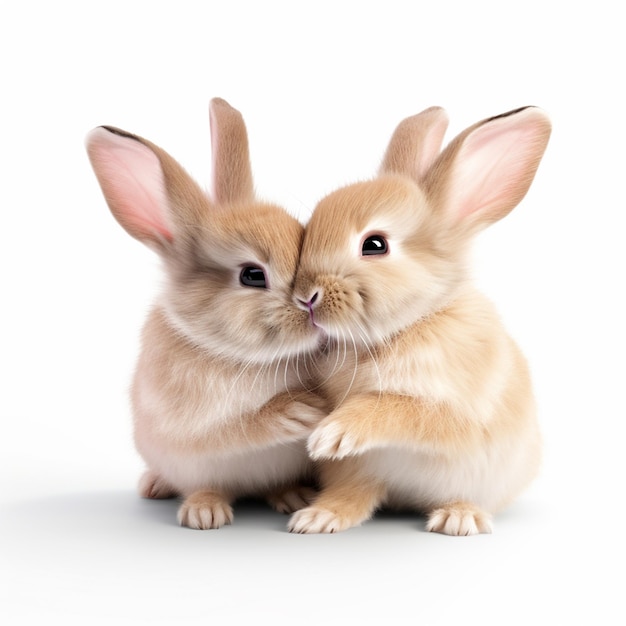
232 175
416 143
148 192
487 170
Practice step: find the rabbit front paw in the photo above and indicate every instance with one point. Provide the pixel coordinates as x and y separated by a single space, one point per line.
299 419
333 440
203 510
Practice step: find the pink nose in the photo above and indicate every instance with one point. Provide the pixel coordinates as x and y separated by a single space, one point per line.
310 303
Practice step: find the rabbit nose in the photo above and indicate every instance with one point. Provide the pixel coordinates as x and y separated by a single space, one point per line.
309 304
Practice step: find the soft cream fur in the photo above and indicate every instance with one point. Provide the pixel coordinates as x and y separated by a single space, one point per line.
432 402
219 397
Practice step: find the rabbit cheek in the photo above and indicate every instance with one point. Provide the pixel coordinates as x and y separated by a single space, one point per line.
338 306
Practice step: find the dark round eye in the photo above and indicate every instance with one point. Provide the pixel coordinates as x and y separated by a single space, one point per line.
374 244
252 276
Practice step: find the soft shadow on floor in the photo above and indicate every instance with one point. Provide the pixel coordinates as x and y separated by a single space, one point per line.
125 513
123 509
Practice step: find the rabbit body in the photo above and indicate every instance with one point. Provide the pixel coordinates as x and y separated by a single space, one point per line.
431 400
220 407
212 424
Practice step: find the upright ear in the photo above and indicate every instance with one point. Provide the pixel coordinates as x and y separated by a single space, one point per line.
148 192
415 144
232 174
487 169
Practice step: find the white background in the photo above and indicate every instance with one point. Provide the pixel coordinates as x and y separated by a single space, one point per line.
321 86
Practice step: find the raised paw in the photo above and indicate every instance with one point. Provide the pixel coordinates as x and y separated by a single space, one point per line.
203 510
331 440
299 419
460 519
293 499
317 520
153 486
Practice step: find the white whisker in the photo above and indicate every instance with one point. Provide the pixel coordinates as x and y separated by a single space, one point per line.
370 347
278 363
241 372
298 371
285 375
356 364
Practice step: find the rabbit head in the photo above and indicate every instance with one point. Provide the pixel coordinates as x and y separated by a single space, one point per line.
229 259
382 254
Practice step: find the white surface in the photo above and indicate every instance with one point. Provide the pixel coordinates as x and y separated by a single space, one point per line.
321 89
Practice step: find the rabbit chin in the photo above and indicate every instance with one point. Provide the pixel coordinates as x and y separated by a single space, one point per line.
263 347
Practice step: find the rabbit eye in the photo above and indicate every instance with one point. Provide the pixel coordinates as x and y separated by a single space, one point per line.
374 244
252 276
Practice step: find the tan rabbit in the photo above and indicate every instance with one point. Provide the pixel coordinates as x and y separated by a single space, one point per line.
432 402
220 408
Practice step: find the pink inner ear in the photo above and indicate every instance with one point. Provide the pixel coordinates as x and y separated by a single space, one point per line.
487 177
496 165
437 121
132 182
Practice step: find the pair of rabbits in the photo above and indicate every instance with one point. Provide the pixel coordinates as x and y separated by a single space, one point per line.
352 355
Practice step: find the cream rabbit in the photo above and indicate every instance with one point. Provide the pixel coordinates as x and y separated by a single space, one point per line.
432 406
220 410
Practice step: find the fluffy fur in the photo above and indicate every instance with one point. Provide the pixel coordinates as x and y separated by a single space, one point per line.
432 406
220 408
